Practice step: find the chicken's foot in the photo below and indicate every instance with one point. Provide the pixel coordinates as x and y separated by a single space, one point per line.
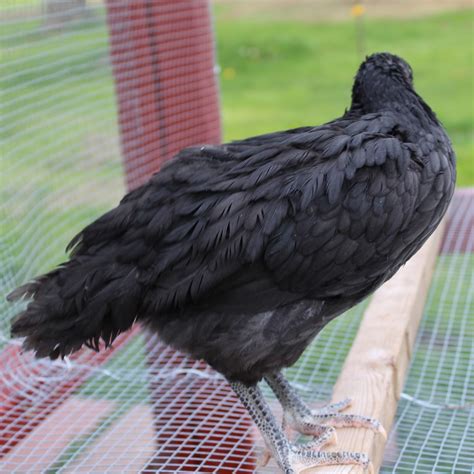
305 420
292 458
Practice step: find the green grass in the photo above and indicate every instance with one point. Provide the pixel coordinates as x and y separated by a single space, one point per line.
275 75
60 163
14 4
286 74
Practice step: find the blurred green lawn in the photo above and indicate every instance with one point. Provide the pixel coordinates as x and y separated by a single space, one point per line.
274 75
277 75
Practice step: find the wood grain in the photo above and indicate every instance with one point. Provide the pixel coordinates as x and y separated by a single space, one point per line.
374 371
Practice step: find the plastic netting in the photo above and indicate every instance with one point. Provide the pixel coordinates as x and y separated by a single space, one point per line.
95 96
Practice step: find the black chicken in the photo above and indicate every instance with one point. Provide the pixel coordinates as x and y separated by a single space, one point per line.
239 254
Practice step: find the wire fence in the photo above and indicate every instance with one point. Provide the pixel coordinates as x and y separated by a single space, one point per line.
434 430
143 407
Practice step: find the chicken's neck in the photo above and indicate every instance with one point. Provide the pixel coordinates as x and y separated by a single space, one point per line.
387 94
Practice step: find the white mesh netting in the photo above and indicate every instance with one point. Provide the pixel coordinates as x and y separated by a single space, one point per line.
86 88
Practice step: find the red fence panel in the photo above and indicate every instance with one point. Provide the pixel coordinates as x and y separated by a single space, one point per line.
163 60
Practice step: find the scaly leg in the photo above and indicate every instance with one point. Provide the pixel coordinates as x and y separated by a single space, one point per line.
290 457
316 422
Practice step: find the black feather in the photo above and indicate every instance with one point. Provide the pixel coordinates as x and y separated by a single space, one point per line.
228 246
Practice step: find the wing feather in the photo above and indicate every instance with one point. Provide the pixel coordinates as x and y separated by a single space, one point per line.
298 205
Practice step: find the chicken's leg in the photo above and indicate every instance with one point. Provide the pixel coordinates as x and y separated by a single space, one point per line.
315 422
290 457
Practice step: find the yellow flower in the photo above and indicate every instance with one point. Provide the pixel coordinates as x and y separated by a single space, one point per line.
228 73
357 10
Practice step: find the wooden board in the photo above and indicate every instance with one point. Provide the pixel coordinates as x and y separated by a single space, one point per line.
374 371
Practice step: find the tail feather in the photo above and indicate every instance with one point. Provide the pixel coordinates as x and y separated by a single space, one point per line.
77 304
28 290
